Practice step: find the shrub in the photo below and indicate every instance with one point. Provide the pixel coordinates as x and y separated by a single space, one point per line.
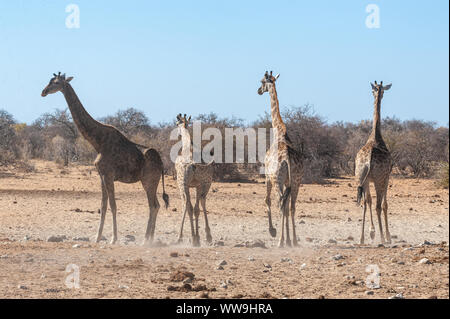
443 175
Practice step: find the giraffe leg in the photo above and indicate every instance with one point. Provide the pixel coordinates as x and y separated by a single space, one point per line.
369 203
385 211
103 209
207 229
281 241
190 211
279 187
361 241
272 230
109 183
153 207
286 220
150 184
203 203
197 214
294 194
180 236
184 210
378 209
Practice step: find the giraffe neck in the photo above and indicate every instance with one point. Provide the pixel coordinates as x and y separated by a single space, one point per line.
376 126
186 151
84 122
277 122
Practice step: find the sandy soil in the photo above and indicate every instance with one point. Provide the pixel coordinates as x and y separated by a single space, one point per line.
329 263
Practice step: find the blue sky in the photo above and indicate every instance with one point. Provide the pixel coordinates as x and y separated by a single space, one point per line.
167 57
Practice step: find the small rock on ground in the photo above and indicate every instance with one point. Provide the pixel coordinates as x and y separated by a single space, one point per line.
56 238
286 260
337 257
222 263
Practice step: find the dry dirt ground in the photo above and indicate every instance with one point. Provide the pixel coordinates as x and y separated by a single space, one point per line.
329 262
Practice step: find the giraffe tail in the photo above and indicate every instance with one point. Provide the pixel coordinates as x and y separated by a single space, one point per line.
164 195
359 195
363 179
285 197
287 191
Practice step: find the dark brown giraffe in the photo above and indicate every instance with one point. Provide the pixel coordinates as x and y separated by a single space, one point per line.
373 163
118 158
283 166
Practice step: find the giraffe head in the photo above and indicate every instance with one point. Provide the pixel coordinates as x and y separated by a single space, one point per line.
267 82
56 84
182 121
378 89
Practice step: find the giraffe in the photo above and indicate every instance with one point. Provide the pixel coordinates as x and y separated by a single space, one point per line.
118 158
189 175
373 163
283 164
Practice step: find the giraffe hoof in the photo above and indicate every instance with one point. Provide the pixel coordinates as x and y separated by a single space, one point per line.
209 238
196 242
273 232
372 234
295 243
288 243
280 244
146 242
388 239
361 242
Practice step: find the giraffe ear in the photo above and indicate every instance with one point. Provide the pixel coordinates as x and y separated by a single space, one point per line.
387 87
69 79
277 76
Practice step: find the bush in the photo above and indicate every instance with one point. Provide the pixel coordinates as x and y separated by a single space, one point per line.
443 175
329 150
8 139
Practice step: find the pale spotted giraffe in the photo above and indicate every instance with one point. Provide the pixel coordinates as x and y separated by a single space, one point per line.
283 166
373 163
118 158
191 174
